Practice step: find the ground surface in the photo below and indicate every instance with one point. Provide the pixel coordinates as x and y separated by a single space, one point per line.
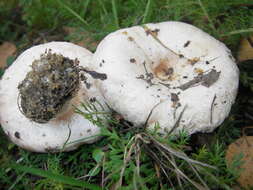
26 23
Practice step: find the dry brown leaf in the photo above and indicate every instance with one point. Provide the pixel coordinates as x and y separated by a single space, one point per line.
246 49
6 49
86 41
244 146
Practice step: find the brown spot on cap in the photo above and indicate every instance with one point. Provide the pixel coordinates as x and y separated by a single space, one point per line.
164 71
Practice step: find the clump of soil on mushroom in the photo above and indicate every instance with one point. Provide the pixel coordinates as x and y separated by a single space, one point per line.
53 80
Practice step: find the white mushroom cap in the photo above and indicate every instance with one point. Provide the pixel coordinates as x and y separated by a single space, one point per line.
67 125
188 78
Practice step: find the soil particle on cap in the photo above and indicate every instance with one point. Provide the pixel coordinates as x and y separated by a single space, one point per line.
17 135
175 100
93 99
130 38
174 97
87 84
101 63
88 131
140 77
187 43
207 62
181 55
132 60
53 80
84 79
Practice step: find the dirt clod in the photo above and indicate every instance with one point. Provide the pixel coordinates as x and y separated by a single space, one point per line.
53 80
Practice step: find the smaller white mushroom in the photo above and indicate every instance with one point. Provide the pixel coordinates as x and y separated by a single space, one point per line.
38 93
187 78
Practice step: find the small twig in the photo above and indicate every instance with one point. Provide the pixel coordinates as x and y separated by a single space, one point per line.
211 110
177 122
149 115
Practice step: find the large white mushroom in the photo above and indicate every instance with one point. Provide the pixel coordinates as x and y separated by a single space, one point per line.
187 78
38 93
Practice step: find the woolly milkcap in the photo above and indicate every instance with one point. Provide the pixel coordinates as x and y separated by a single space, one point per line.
38 93
187 78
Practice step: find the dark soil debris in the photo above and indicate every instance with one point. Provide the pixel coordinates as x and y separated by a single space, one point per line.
17 135
187 43
53 80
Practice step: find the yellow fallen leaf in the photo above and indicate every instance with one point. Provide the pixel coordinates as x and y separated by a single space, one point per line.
244 147
246 49
6 49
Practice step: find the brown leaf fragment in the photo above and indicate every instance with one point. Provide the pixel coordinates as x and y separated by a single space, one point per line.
6 49
242 147
206 80
246 49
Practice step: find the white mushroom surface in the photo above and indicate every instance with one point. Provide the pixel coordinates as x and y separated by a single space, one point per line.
67 127
187 78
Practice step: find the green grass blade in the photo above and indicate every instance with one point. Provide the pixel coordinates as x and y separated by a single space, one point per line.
71 11
211 24
103 7
147 12
85 7
59 178
115 13
249 30
19 178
